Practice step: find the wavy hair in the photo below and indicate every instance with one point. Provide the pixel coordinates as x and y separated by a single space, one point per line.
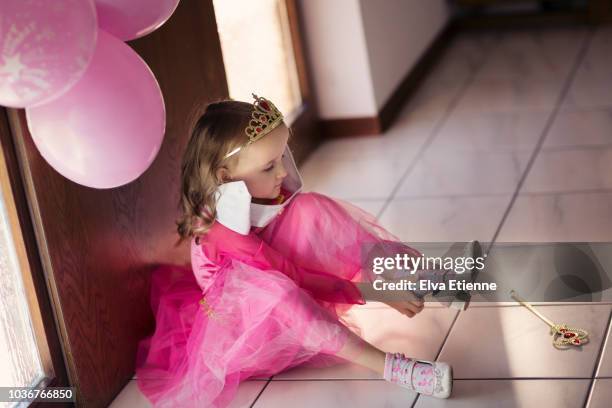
216 132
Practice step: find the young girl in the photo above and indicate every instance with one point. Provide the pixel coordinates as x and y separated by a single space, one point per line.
272 271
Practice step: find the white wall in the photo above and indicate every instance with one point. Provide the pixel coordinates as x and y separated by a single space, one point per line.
397 33
360 50
338 57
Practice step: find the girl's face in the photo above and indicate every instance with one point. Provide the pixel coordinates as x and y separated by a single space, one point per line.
259 164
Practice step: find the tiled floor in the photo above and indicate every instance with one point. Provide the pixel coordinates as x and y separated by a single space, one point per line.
509 139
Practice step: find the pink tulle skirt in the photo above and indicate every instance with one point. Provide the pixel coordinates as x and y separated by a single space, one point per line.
255 322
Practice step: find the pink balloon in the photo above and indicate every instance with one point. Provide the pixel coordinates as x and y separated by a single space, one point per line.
107 129
45 47
130 19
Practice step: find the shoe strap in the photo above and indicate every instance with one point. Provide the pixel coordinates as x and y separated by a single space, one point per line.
409 369
406 369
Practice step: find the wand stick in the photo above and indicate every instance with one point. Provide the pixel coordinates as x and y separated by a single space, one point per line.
563 336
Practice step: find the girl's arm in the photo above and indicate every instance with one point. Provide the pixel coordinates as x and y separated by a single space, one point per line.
251 249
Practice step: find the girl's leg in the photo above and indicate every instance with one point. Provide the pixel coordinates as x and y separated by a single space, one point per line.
358 351
392 367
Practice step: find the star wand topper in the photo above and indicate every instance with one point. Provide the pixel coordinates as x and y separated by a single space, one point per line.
563 337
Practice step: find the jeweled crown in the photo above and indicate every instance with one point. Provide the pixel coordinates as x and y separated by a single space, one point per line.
264 118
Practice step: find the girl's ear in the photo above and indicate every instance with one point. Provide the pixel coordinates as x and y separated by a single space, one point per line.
223 174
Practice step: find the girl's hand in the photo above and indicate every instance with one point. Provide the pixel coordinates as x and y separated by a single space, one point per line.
408 308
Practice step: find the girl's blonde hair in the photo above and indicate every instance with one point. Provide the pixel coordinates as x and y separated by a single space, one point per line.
216 132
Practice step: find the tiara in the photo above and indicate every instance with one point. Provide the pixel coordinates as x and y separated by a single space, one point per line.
264 118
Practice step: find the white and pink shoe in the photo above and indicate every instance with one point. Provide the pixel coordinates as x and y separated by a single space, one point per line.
432 378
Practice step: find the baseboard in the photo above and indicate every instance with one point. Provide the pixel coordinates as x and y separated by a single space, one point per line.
415 76
336 128
512 21
373 125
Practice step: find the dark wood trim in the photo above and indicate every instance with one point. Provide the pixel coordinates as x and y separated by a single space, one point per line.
40 304
335 128
304 121
600 11
526 20
338 128
295 28
306 128
595 11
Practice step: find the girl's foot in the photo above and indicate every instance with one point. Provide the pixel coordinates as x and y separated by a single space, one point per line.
432 378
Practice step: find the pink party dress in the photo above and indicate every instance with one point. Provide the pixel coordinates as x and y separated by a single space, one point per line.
266 291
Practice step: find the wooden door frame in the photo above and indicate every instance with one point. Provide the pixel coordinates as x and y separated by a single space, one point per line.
305 120
35 283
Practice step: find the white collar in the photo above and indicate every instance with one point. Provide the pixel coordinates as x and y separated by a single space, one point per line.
235 209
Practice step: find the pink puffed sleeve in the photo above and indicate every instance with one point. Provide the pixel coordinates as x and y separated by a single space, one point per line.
252 250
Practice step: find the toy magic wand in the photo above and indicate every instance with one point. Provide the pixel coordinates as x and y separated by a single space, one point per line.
563 336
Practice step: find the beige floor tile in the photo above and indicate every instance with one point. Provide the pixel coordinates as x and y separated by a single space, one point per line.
432 100
589 89
336 372
580 128
132 397
511 342
445 219
593 81
403 140
598 57
371 206
601 395
372 178
247 392
533 54
333 394
420 337
465 173
578 169
462 58
559 217
511 394
491 132
605 365
510 95
602 39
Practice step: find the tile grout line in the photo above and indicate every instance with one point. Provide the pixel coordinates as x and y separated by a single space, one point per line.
452 107
604 344
604 190
434 132
598 360
523 378
456 379
545 130
553 115
582 147
530 193
510 304
261 392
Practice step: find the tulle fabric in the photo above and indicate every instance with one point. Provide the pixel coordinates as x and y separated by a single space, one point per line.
258 317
